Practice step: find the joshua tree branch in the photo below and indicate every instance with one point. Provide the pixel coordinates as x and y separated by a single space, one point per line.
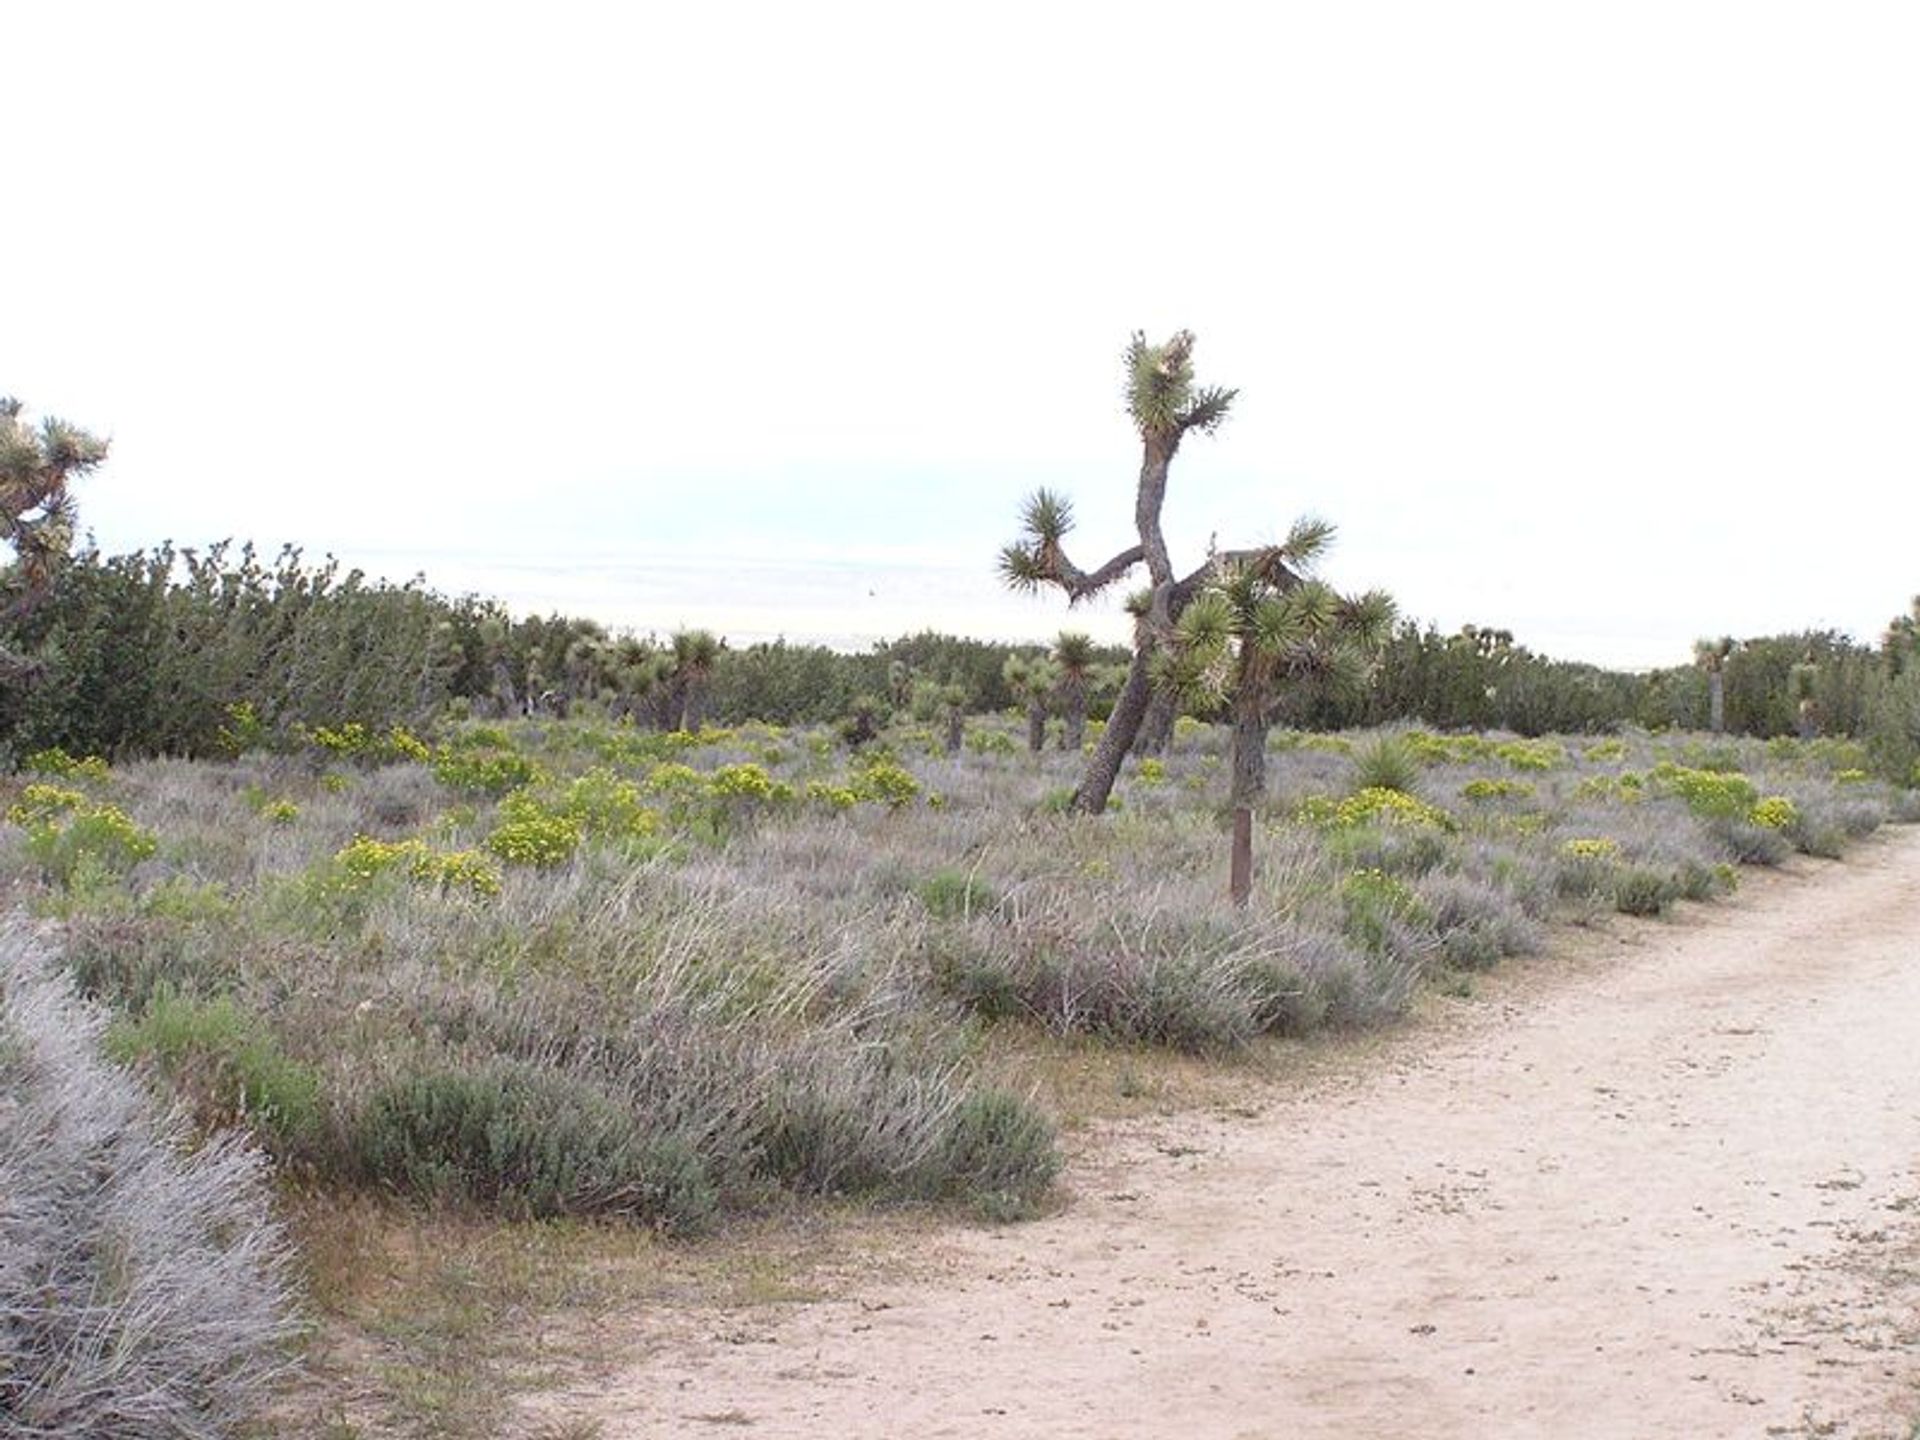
1032 564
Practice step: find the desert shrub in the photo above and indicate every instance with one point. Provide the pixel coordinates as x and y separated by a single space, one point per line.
1710 793
886 782
955 895
981 978
1643 890
518 1138
101 837
1381 913
991 742
1393 849
229 1063
1746 843
363 745
1386 762
1298 979
1373 807
1531 754
41 804
143 1284
606 807
478 769
746 782
1858 818
1817 835
1478 924
855 1122
1773 812
56 761
1583 867
999 1152
364 860
532 837
125 961
1627 787
1496 789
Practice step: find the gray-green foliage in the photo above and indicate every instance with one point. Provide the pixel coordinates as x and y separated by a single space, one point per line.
146 652
143 1289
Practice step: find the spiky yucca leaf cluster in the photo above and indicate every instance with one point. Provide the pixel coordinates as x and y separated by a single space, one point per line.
36 510
1035 559
1161 395
1261 621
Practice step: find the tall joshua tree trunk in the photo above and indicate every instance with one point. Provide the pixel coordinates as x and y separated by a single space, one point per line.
1711 656
1103 769
1156 730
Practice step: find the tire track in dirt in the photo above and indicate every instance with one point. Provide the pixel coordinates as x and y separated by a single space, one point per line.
1674 1190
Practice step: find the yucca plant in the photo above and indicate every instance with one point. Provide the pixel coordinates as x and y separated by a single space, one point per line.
1073 658
1032 680
693 656
36 509
1803 681
636 676
1259 629
1711 656
952 698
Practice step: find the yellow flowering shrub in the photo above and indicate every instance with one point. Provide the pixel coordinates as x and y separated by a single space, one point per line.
1374 806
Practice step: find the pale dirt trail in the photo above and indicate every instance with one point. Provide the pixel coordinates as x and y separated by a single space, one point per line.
1666 1187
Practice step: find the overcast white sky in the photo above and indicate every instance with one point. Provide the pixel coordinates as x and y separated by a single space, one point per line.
1600 322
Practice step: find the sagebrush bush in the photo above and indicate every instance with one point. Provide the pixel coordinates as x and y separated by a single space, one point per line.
143 1283
999 1153
1643 890
1478 924
523 1140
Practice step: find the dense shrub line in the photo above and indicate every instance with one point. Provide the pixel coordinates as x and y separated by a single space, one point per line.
157 652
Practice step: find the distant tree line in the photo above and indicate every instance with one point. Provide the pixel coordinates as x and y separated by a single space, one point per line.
146 653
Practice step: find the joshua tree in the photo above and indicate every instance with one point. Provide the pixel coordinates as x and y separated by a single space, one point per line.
900 679
1032 681
36 509
494 644
585 663
636 674
1073 658
953 713
1804 679
1259 631
1165 406
865 715
694 652
1711 656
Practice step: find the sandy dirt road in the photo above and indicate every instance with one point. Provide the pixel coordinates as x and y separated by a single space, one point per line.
1666 1184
